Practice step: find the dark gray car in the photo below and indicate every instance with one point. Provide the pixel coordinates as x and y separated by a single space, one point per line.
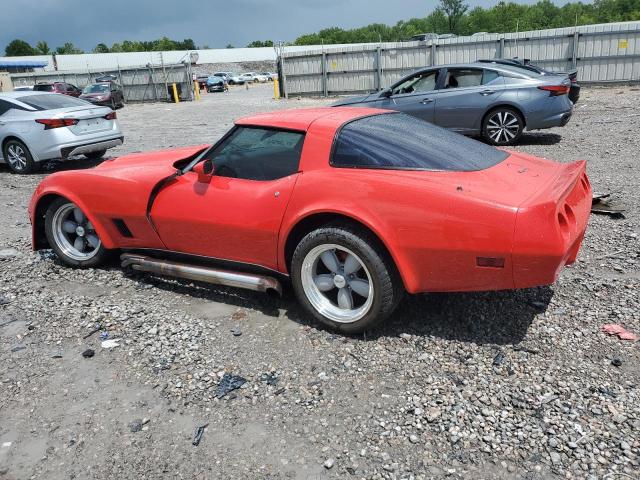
497 102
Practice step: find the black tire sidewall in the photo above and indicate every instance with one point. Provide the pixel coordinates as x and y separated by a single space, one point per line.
385 299
31 164
485 121
99 258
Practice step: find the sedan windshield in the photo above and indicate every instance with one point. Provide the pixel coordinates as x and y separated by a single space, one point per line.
99 88
52 101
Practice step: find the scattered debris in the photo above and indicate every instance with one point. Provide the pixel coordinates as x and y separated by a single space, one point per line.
229 383
600 204
6 444
620 331
4 300
239 315
88 353
280 391
198 435
6 253
616 362
135 426
57 355
269 379
18 348
95 330
112 343
104 335
329 463
548 398
236 333
538 305
498 359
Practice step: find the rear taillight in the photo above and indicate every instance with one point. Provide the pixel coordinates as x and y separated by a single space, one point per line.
110 116
555 90
50 123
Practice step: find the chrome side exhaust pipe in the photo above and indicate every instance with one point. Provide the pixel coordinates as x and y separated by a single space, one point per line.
248 281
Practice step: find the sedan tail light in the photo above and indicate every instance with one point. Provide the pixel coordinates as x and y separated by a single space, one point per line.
555 90
111 116
50 123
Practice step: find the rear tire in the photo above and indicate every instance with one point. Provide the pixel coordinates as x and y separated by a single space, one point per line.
97 155
18 157
72 236
345 279
502 126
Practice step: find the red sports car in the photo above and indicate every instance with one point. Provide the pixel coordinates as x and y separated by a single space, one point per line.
355 206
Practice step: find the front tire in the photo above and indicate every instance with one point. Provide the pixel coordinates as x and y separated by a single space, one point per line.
18 157
502 126
345 279
72 236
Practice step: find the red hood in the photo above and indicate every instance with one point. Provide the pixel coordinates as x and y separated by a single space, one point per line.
145 161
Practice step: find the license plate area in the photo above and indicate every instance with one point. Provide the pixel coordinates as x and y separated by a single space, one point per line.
90 125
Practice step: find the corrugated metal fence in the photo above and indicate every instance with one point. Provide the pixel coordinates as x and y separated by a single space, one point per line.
142 84
601 53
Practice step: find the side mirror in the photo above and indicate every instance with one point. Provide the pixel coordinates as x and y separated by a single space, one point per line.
204 170
386 93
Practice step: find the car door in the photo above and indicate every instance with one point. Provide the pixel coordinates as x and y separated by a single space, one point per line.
415 95
236 213
5 108
465 95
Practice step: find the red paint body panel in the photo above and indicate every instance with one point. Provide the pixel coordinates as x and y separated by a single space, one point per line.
528 212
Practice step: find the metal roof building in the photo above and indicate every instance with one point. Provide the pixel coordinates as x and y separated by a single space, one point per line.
19 66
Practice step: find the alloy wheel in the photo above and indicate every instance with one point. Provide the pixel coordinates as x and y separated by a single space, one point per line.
74 233
337 283
17 157
502 126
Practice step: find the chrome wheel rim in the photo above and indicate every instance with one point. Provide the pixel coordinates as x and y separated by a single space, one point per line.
337 283
74 234
17 157
503 127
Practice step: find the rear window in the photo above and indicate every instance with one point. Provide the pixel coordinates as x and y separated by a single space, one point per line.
396 141
50 102
43 88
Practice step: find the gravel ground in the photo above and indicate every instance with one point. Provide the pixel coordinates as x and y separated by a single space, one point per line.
513 385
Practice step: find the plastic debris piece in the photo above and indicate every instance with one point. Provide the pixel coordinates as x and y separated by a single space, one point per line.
600 205
135 426
618 330
269 379
112 343
18 348
498 359
6 444
198 435
229 383
616 362
88 353
104 335
236 333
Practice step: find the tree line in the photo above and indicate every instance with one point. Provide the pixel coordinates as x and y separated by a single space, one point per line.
20 48
455 16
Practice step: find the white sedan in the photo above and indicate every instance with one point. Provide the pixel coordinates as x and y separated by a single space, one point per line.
35 127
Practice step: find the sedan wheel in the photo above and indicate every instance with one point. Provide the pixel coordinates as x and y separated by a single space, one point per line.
344 278
502 127
18 157
72 236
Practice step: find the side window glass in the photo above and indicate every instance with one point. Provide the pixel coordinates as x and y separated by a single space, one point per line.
463 77
490 77
258 154
4 107
422 82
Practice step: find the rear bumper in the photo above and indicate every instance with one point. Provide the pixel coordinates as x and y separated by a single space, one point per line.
216 88
79 149
550 228
559 119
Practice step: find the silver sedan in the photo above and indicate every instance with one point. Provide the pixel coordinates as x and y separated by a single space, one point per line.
497 102
36 127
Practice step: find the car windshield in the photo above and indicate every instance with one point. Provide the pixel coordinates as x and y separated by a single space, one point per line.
50 102
43 87
96 89
396 141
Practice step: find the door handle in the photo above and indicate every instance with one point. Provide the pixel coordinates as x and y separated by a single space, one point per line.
426 100
487 92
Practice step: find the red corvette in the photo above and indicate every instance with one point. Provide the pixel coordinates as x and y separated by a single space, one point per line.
356 206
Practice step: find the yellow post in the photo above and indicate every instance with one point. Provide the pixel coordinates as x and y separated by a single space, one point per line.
196 87
176 99
276 89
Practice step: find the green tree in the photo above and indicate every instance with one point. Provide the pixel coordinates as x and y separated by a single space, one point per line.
454 10
68 49
101 48
260 43
229 46
43 48
19 48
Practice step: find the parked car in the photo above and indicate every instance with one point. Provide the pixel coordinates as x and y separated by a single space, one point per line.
356 206
426 37
574 91
57 87
271 76
494 101
202 81
216 84
109 94
23 88
109 77
38 126
232 78
254 77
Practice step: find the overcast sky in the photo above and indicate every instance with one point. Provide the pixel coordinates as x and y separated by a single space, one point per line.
208 22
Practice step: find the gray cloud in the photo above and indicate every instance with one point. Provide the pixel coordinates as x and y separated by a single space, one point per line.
214 22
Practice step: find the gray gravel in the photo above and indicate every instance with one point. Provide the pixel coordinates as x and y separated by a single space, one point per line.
488 385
